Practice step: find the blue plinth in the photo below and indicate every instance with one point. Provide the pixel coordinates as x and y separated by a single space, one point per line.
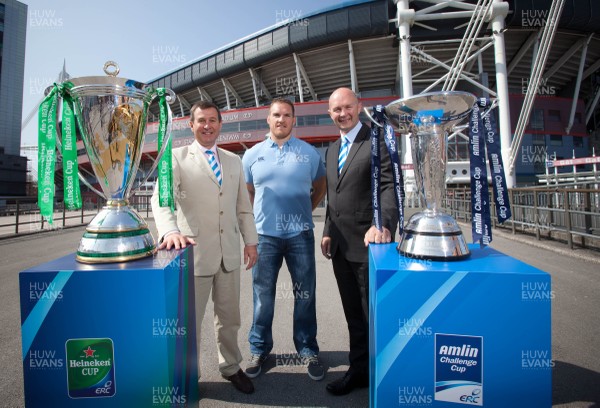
110 335
473 332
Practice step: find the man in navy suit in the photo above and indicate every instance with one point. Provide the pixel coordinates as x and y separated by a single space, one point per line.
349 226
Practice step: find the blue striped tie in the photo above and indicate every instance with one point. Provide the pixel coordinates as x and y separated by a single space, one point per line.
343 154
212 162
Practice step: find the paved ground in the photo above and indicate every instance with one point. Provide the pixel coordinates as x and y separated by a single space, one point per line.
575 309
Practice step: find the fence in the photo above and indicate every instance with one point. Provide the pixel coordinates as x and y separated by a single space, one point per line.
571 215
20 216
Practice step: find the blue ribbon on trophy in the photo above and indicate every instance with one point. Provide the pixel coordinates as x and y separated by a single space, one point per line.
484 141
382 122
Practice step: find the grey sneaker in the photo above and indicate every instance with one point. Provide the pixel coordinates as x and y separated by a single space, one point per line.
314 368
254 366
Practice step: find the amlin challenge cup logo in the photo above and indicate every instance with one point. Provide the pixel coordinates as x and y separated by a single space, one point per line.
459 369
90 368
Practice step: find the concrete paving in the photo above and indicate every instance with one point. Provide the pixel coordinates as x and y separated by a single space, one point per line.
576 352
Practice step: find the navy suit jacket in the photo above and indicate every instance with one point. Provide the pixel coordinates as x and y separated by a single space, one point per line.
349 207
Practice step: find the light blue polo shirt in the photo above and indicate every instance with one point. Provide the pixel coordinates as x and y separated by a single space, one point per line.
282 179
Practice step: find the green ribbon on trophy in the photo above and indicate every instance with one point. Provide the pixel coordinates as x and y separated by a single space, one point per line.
165 164
47 154
72 190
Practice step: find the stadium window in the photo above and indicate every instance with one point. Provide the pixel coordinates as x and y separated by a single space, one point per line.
458 149
324 120
181 133
556 140
553 115
577 141
249 125
230 127
310 120
538 140
536 121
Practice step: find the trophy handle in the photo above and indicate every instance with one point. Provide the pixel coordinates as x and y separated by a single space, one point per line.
88 185
371 118
166 137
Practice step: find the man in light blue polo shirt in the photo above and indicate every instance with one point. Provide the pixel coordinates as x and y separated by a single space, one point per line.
285 177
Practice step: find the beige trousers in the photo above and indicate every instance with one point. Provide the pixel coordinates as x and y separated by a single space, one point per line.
225 288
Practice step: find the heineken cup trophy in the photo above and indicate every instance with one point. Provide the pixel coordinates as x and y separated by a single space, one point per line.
429 118
111 114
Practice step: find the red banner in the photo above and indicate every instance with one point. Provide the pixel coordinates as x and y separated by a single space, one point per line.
573 162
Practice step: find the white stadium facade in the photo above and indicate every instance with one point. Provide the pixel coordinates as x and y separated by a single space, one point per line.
544 78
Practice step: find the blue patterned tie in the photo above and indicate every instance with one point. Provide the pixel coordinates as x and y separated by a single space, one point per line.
212 162
343 154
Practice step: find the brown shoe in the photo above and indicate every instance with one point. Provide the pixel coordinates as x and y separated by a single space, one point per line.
241 381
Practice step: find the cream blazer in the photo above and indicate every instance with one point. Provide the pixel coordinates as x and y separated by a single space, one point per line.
211 214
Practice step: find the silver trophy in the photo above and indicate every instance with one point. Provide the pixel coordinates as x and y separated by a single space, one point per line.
111 114
429 118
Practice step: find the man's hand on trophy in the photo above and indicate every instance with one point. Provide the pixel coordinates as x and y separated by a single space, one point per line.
175 240
375 236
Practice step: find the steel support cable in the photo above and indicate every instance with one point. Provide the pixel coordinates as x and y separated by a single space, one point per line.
442 64
457 62
546 39
536 75
466 45
479 19
461 46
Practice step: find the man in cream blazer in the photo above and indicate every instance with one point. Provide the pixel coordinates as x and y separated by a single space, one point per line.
212 209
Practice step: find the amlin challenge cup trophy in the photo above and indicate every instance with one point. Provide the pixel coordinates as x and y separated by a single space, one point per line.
111 117
429 118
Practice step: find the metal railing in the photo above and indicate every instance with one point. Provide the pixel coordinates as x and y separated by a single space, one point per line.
570 215
20 216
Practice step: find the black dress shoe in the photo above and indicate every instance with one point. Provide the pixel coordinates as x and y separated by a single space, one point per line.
347 383
241 381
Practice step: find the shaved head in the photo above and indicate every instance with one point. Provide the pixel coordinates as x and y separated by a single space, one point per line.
344 108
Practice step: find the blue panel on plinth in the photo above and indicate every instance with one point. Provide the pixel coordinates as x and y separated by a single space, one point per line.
110 335
472 332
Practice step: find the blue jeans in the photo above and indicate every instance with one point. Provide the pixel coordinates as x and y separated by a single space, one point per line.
299 254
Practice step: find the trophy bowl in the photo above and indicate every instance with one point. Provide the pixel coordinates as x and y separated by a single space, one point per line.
111 115
429 118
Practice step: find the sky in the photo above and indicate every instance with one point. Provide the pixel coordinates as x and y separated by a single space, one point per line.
146 38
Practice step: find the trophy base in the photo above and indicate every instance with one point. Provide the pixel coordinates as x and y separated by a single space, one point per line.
116 234
433 235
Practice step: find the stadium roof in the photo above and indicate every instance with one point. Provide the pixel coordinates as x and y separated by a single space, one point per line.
328 47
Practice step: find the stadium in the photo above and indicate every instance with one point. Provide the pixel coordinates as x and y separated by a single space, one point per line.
543 78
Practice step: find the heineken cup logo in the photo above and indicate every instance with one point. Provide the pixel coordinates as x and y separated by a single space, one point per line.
90 368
